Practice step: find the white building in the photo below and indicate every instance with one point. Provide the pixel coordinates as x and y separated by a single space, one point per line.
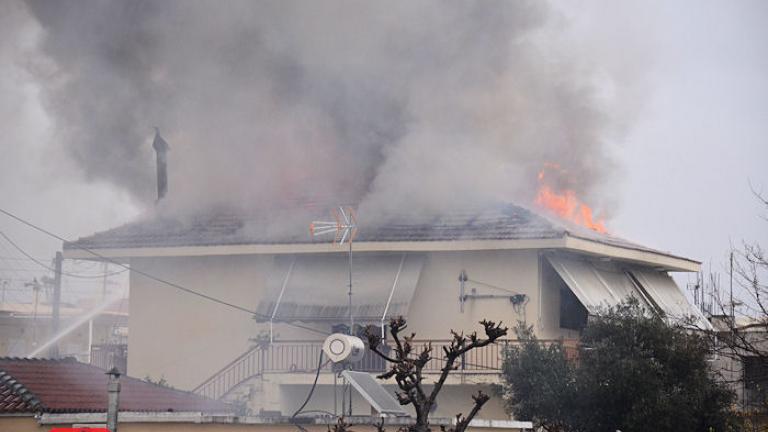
519 266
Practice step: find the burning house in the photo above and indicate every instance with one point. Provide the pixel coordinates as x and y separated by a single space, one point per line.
504 263
468 136
234 301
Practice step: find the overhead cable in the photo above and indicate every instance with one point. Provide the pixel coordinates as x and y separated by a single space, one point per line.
49 268
150 276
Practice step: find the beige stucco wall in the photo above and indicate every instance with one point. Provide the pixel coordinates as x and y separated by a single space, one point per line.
21 424
186 339
171 427
453 399
29 424
435 307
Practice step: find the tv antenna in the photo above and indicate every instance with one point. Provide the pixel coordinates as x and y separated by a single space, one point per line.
344 229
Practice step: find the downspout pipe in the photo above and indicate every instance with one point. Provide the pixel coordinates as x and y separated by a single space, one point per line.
279 299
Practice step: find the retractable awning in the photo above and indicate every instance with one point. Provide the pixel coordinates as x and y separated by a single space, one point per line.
668 296
596 285
602 284
314 287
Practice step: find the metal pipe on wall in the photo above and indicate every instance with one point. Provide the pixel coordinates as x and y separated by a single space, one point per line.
391 294
279 299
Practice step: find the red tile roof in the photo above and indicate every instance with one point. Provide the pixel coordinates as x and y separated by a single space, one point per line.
40 385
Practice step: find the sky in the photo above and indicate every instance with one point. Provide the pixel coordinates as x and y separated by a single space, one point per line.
690 79
699 143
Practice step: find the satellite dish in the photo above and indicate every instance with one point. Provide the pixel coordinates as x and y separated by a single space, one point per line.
343 348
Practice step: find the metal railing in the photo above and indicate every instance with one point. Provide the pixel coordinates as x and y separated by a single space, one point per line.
243 368
301 357
107 356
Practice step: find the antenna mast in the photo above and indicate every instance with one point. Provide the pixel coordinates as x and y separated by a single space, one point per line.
344 228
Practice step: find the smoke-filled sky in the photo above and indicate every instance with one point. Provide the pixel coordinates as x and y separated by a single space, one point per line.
362 102
657 111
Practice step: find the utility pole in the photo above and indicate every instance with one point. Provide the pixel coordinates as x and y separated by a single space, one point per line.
113 398
56 306
463 278
5 288
104 269
733 308
35 285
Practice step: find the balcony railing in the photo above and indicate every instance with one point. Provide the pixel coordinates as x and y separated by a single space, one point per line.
107 356
302 357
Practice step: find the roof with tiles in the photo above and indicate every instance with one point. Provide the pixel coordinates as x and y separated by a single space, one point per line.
500 222
30 386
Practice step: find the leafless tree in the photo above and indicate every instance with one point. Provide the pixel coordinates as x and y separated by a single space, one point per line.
746 340
406 367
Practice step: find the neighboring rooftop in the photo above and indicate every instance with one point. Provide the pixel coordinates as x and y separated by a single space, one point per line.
31 386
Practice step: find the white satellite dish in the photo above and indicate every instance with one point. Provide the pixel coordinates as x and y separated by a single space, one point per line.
340 347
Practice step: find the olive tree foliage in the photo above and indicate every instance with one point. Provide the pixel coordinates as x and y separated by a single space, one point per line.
543 381
632 372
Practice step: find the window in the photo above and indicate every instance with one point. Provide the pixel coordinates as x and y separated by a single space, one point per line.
755 380
573 315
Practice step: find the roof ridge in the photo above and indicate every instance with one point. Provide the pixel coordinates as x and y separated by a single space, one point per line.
68 359
169 388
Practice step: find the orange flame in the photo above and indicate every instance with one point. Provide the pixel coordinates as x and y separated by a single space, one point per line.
564 203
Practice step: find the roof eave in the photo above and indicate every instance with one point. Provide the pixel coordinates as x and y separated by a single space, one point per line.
661 260
578 244
293 248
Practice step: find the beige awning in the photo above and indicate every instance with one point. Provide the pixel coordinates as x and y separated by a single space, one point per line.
600 284
668 296
315 287
597 285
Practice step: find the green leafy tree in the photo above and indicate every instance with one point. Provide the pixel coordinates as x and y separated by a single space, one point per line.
633 372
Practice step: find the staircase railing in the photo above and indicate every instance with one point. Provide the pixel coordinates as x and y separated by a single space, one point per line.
247 365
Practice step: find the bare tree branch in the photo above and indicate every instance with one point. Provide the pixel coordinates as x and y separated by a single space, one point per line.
406 367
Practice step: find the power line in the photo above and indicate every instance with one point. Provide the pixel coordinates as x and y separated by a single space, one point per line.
23 252
12 258
18 269
16 273
150 276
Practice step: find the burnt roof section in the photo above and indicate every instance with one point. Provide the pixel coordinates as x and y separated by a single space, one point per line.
30 386
288 226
